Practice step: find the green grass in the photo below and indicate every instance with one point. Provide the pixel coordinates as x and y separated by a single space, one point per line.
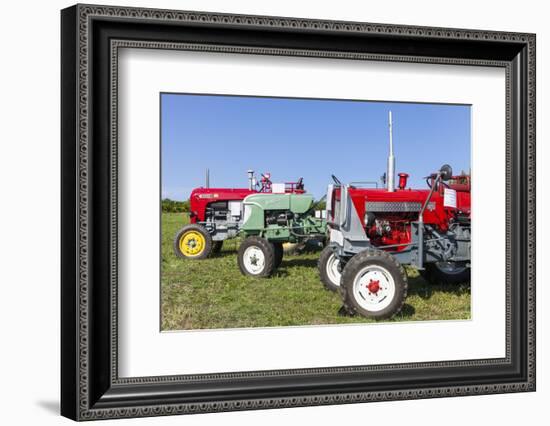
212 293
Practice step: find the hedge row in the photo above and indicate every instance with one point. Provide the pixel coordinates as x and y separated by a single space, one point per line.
171 206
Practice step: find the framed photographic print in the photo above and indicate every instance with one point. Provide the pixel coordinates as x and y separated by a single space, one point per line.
263 212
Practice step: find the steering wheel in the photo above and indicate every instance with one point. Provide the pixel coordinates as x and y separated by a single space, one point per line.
336 180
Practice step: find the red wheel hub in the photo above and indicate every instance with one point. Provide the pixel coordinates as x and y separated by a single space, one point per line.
374 286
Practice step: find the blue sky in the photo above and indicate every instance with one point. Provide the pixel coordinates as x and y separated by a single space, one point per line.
307 138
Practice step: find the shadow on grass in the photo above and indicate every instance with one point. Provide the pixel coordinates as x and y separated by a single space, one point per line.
224 253
287 265
308 263
407 311
423 289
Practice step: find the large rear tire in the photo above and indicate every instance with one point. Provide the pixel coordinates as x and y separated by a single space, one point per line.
279 252
217 246
329 269
193 241
374 285
256 257
446 273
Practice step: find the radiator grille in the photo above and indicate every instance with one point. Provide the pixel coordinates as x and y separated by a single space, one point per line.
395 206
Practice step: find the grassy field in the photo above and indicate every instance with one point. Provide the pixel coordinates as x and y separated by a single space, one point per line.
213 293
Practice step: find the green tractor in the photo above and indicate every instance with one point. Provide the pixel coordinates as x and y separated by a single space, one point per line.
269 221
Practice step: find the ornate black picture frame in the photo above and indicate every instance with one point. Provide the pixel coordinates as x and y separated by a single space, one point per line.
91 388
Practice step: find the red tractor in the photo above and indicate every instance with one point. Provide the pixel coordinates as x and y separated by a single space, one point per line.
373 232
216 214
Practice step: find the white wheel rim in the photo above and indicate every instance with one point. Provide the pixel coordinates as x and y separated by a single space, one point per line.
450 267
254 260
332 270
374 288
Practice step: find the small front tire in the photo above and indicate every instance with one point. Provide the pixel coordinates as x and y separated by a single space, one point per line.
374 285
446 273
256 257
193 241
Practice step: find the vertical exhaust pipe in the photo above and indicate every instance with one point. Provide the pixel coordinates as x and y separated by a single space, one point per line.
207 179
250 180
391 161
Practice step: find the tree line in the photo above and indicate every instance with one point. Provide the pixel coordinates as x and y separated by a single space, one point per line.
171 206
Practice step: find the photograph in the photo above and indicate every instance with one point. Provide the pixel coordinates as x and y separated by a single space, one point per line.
309 212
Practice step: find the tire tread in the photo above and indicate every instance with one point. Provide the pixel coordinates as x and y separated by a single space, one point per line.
321 267
346 280
269 253
207 252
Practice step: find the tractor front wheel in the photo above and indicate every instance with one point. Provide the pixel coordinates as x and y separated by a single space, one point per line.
256 257
329 269
193 241
446 273
374 285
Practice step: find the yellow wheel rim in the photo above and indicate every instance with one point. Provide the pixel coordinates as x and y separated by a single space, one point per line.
192 243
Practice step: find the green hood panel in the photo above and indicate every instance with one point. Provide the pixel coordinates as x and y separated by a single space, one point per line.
256 205
296 203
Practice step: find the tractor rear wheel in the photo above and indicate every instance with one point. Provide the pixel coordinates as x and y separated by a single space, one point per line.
329 269
217 246
374 285
446 273
256 257
279 251
193 241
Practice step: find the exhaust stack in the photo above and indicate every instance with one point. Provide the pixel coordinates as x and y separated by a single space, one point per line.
391 161
250 180
207 179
